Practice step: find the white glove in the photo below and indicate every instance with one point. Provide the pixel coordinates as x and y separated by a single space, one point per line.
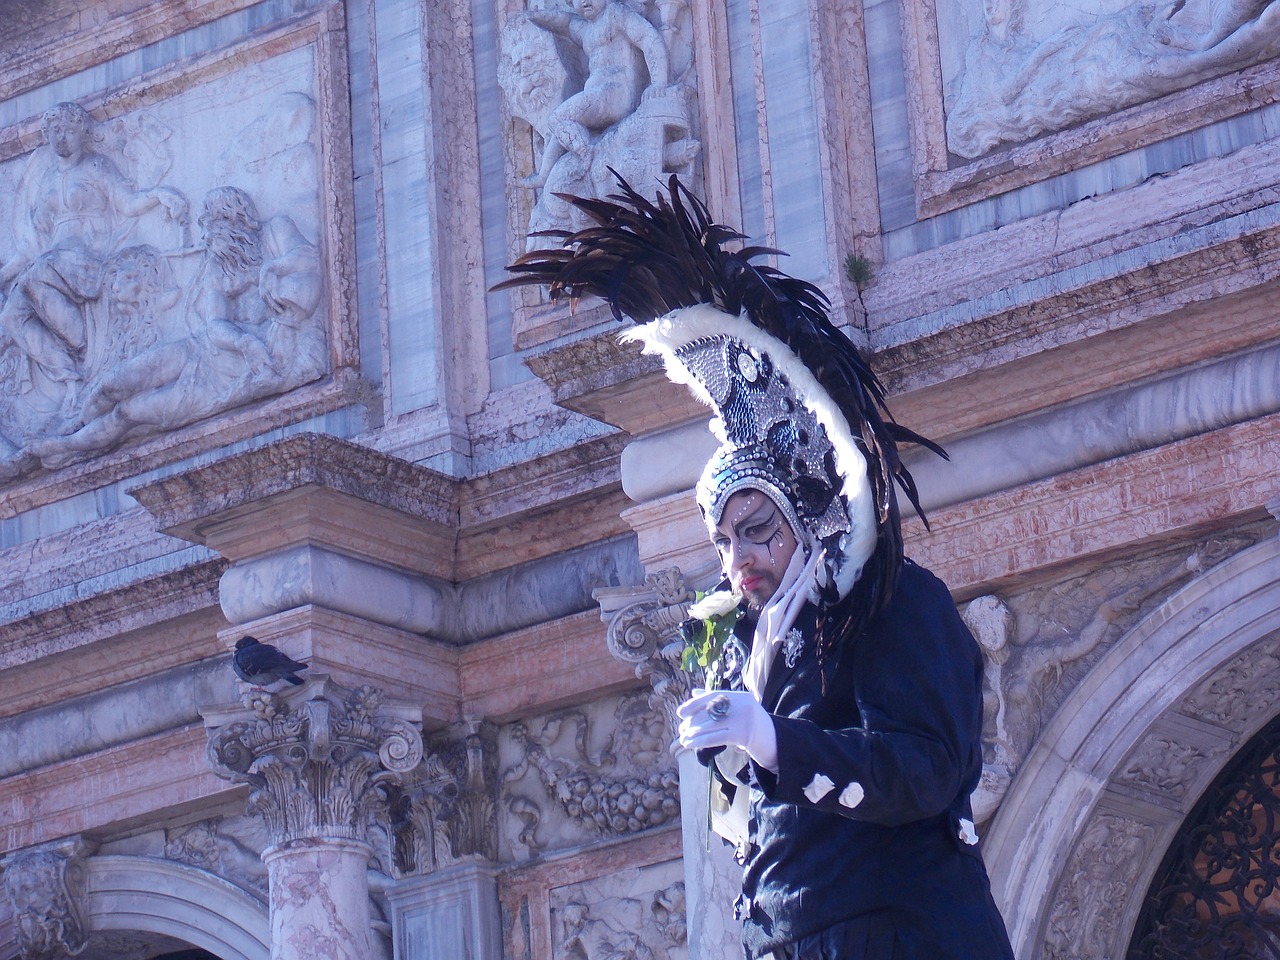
725 718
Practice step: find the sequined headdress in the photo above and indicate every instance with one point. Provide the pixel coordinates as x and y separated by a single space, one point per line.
799 414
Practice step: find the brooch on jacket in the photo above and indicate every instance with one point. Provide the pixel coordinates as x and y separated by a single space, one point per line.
792 647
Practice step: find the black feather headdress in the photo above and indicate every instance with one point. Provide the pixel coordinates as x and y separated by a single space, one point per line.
651 260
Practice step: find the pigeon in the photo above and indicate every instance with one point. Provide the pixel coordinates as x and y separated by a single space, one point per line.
262 664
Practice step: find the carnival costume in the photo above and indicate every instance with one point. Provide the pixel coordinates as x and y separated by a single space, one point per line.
852 820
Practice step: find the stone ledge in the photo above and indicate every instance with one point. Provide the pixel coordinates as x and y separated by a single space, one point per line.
187 503
602 379
139 782
1240 253
73 626
1180 490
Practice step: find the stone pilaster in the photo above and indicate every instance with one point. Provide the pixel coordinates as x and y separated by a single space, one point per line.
45 886
318 761
448 914
643 629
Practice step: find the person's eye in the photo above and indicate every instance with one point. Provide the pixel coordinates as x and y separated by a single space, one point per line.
721 543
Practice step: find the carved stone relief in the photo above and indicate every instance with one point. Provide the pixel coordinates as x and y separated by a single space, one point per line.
1088 907
444 810
230 847
1038 645
45 886
644 630
129 306
600 85
317 759
1248 687
1019 69
1166 767
581 774
636 914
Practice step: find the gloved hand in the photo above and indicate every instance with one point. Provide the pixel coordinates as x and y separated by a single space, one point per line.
723 718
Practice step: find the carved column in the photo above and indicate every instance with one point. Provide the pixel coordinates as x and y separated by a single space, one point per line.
46 886
644 630
444 844
318 761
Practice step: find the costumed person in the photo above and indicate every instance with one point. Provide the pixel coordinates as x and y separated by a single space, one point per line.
843 720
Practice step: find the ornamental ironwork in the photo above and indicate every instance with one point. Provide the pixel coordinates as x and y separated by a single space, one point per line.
1216 896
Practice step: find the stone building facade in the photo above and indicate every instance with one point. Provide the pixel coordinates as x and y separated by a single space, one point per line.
252 382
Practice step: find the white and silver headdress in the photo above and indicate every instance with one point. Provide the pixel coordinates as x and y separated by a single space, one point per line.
778 431
799 414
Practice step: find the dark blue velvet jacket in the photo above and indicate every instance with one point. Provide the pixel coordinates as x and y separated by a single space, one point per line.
876 764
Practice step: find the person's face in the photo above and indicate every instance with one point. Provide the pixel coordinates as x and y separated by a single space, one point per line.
755 544
590 9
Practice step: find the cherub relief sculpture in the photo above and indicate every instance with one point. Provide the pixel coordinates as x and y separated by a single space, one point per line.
1025 668
114 325
594 84
1016 85
243 333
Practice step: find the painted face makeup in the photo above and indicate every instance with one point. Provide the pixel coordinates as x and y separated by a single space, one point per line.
755 544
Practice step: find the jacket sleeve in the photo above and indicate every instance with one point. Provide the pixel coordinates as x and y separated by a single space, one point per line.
915 746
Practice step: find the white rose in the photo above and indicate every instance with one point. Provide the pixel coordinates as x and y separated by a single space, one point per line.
713 605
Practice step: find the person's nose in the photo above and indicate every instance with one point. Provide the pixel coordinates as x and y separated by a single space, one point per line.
740 555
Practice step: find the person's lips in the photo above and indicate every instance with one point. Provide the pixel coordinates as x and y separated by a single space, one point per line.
750 583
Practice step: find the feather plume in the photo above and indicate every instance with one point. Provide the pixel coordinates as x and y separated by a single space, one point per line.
647 258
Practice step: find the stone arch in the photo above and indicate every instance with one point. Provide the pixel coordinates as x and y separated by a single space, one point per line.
157 896
1091 813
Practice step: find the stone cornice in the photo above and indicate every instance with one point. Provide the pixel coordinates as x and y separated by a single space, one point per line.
602 379
185 504
83 621
38 56
166 771
1111 290
368 503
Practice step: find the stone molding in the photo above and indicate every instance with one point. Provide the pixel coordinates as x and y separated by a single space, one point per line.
46 889
599 377
199 504
163 897
1206 482
316 759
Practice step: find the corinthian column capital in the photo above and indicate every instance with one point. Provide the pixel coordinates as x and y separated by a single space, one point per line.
316 758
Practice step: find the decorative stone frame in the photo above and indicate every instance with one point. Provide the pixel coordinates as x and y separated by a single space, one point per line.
150 895
325 30
534 321
1090 791
942 186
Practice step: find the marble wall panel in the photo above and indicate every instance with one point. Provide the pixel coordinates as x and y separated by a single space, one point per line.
623 899
583 774
175 247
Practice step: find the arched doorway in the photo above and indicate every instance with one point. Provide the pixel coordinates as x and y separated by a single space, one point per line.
1086 823
149 895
